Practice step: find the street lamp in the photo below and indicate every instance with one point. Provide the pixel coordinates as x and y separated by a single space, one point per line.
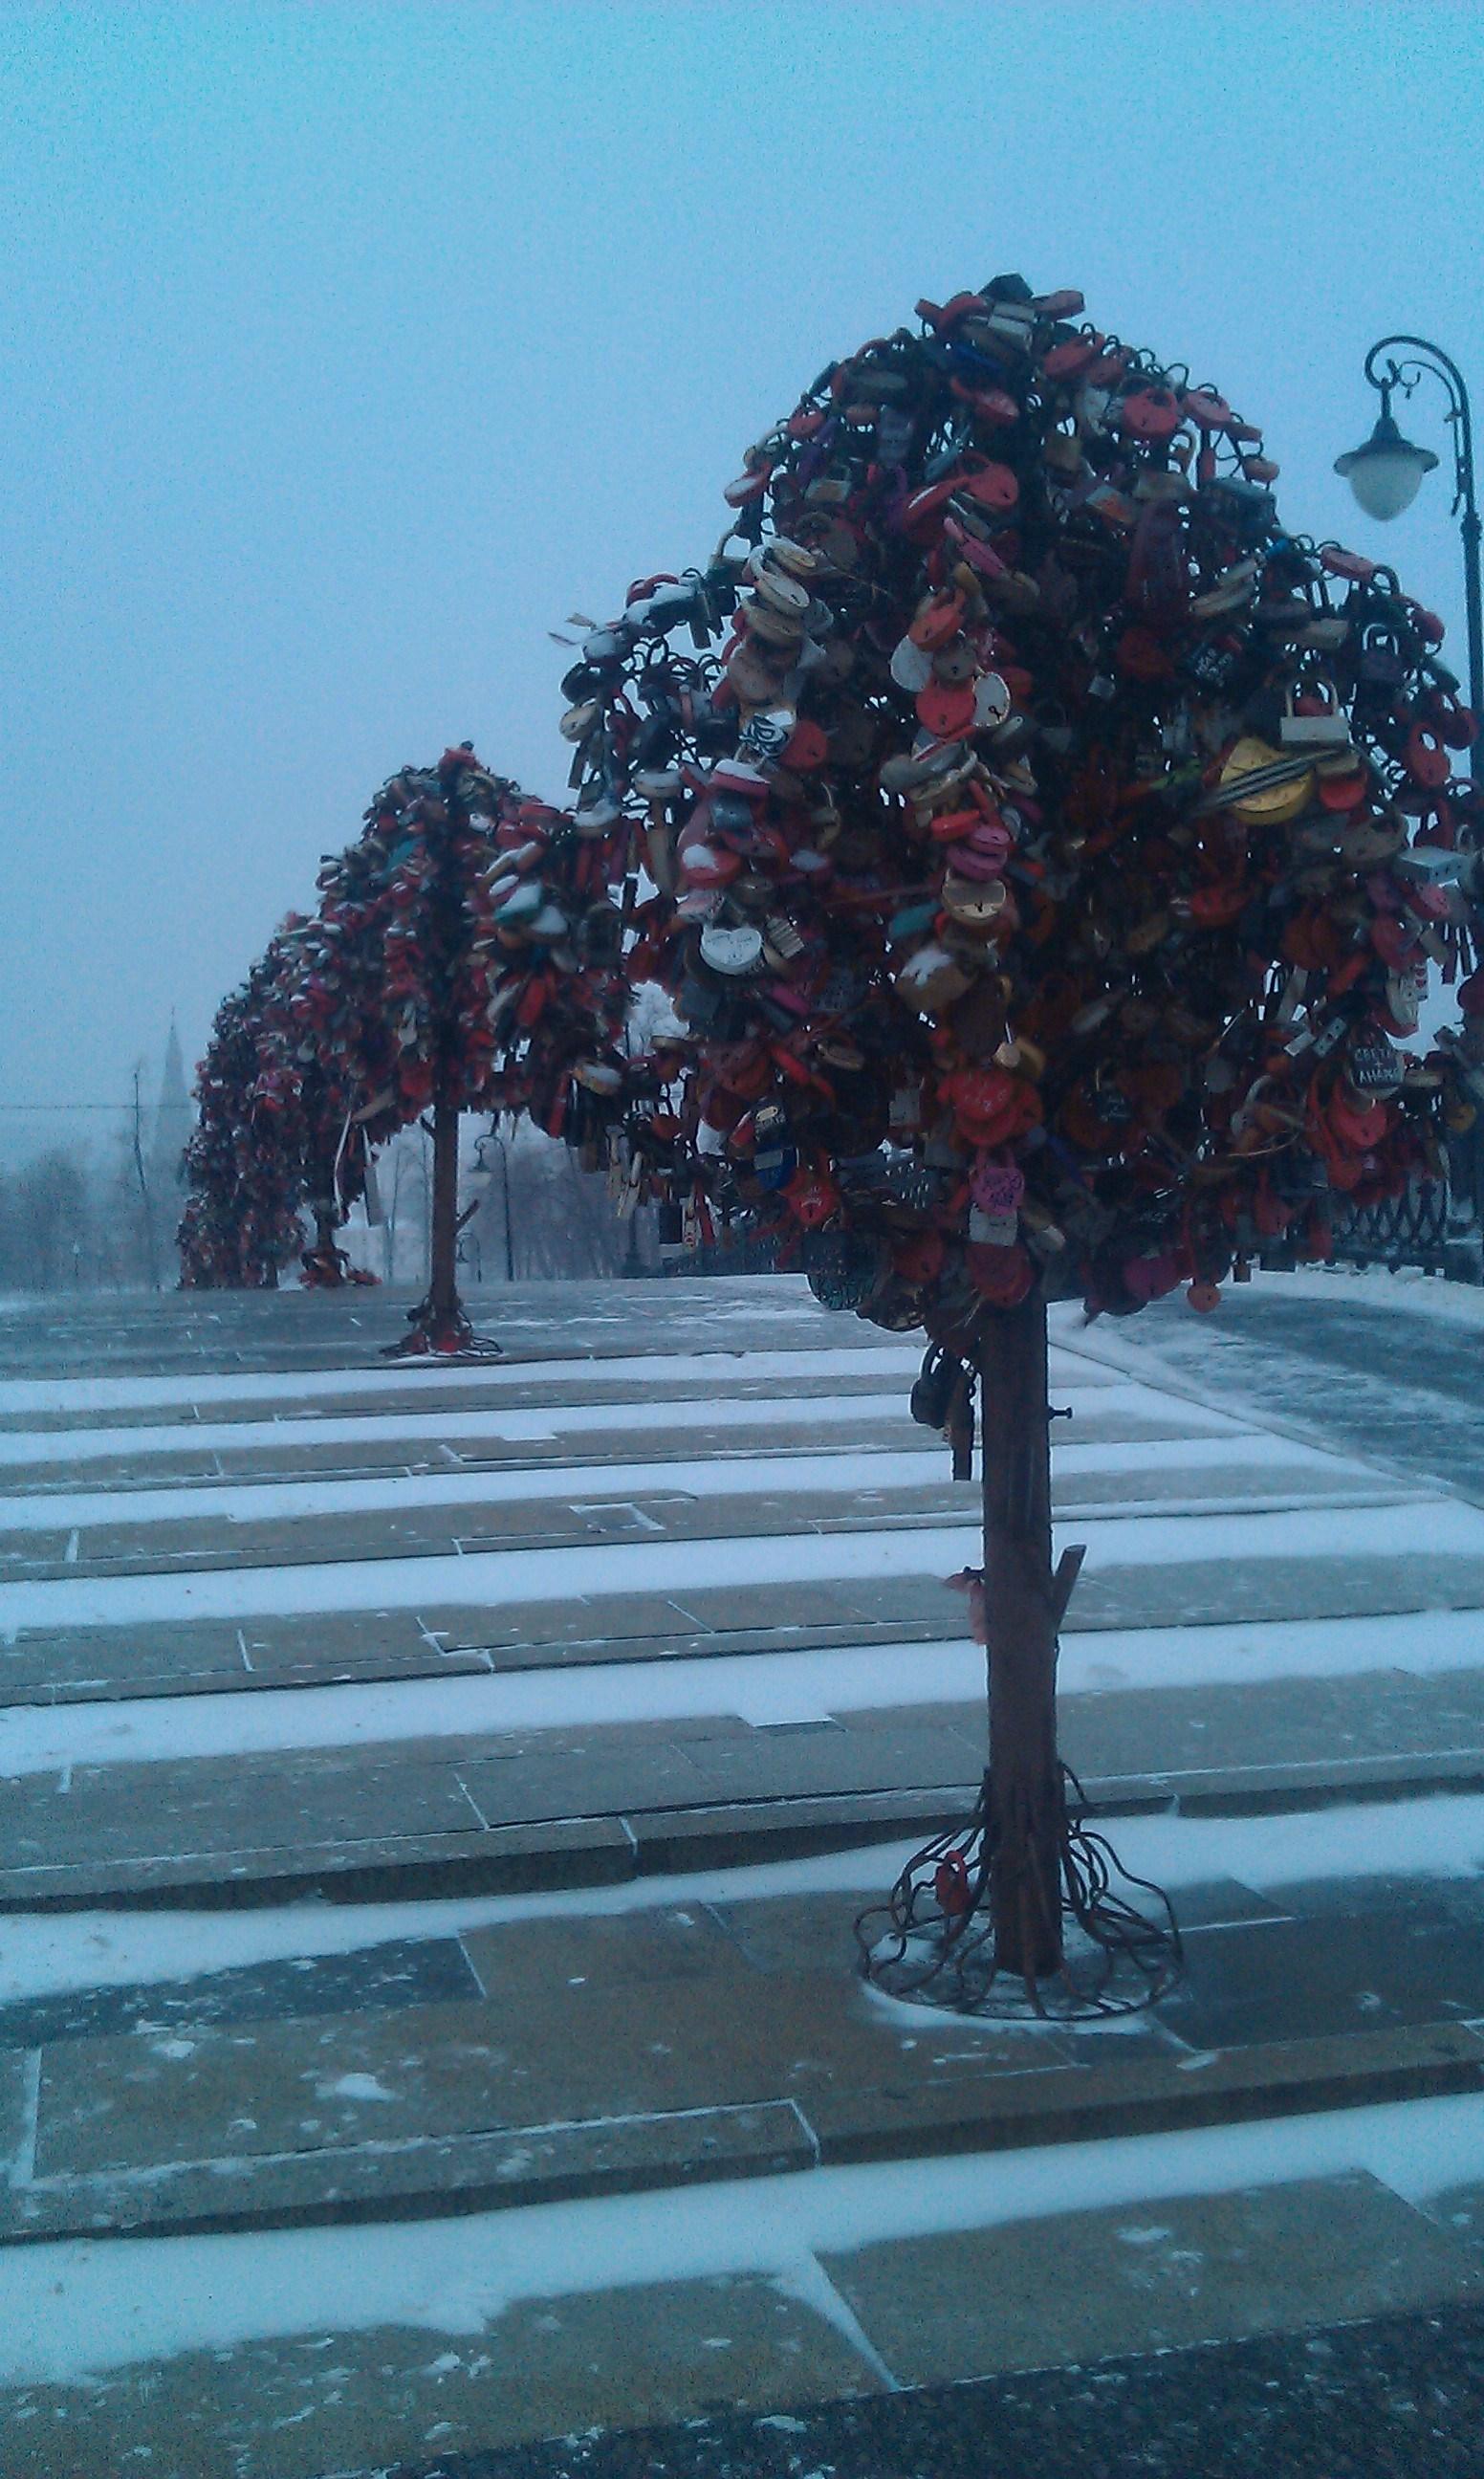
1386 475
494 1137
1388 471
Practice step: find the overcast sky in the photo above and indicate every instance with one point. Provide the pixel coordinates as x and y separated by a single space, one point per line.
349 348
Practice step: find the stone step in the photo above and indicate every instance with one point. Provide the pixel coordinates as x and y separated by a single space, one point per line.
1043 2341
511 1810
399 1620
444 1516
665 2045
536 1438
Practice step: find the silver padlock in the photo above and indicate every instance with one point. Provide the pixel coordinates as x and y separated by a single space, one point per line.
1330 729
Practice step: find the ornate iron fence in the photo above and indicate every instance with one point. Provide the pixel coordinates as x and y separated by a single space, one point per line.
1437 1226
1409 1230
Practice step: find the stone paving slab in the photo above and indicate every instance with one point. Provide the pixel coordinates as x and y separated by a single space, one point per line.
1393 2394
384 2180
354 2401
1307 1977
1104 1416
305 1330
1175 2272
668 2045
187 1543
1145 2096
59 1665
471 1811
406 1971
17 2091
509 1859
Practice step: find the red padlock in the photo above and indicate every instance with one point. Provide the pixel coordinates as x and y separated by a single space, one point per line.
1351 565
941 619
1152 413
990 404
991 486
919 1257
809 747
946 708
813 1197
1003 1276
1208 410
1074 358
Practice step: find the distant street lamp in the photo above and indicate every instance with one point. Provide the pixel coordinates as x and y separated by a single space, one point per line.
1387 473
494 1137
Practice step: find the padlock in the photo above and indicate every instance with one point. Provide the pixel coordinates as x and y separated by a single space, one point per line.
1312 717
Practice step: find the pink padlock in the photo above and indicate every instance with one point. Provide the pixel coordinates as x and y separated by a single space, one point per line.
984 852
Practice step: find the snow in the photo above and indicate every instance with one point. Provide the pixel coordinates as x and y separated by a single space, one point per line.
506 1579
758 1687
68 1395
1421 1641
291 1433
73 2310
1408 1293
857 1472
354 2086
306 1500
1113 1398
48 1954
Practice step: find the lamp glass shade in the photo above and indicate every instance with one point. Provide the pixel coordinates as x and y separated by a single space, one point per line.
1388 473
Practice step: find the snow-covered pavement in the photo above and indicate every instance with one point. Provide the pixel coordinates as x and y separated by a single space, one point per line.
763 1536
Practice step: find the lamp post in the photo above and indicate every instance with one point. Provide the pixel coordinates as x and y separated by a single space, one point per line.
1387 473
494 1139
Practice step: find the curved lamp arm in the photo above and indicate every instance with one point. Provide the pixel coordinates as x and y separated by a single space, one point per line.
1421 358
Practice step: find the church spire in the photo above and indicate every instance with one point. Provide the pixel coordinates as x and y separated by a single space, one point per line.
172 1115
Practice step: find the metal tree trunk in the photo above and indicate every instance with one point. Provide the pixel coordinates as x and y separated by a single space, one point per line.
443 1299
1021 1609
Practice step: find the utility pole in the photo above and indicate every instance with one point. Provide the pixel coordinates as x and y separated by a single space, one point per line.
151 1249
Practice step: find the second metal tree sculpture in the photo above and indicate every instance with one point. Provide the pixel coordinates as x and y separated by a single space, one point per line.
465 955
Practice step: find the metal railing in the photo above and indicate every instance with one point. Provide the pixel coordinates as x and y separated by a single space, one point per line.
1436 1225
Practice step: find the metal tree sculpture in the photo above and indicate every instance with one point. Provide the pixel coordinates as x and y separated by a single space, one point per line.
1048 850
476 953
465 955
240 1223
